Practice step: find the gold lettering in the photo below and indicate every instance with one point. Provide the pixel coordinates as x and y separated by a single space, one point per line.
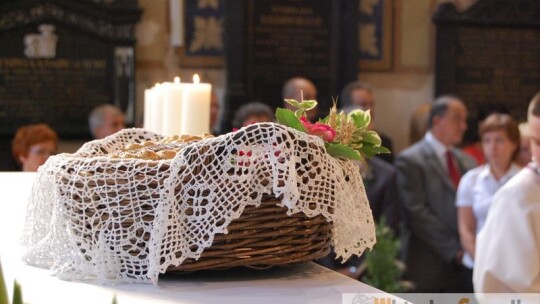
291 21
292 10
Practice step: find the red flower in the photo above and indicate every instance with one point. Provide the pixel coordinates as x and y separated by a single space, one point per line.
318 129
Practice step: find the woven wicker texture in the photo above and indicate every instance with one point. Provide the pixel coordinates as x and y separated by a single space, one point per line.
127 220
265 236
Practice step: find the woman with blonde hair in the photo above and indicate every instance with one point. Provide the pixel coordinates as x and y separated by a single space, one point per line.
32 146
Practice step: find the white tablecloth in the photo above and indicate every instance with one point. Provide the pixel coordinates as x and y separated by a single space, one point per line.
309 283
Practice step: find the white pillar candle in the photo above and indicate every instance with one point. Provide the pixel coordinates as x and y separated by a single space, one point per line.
148 99
196 107
156 112
172 108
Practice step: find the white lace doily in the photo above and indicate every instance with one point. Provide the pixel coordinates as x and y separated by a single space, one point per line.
123 220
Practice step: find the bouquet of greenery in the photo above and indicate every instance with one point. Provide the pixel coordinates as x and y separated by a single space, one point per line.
383 270
344 135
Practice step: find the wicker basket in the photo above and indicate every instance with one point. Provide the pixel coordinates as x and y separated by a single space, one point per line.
261 237
120 218
265 236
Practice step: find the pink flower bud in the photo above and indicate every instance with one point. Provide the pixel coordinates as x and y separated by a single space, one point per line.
318 129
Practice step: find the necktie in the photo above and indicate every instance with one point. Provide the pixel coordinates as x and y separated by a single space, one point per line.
453 172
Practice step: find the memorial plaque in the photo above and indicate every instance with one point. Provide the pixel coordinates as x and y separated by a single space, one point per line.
281 39
287 39
58 60
490 54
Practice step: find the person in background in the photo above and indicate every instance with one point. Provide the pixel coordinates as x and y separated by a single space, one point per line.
32 146
419 123
428 176
499 135
250 113
105 120
508 247
380 182
524 157
359 94
300 88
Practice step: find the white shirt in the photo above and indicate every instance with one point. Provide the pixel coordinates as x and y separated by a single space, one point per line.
439 148
508 247
476 190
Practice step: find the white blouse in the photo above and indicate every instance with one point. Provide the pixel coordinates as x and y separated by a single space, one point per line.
476 190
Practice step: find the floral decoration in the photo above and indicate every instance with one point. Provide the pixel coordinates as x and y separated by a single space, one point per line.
344 135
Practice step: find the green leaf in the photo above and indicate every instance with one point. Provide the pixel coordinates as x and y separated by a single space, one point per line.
342 151
302 106
3 290
293 102
308 104
361 118
324 120
287 118
114 301
372 137
370 150
17 293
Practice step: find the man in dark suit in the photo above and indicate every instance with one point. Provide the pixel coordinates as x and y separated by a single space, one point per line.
380 181
428 174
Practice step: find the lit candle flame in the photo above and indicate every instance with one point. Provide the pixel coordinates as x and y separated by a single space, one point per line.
196 78
177 80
